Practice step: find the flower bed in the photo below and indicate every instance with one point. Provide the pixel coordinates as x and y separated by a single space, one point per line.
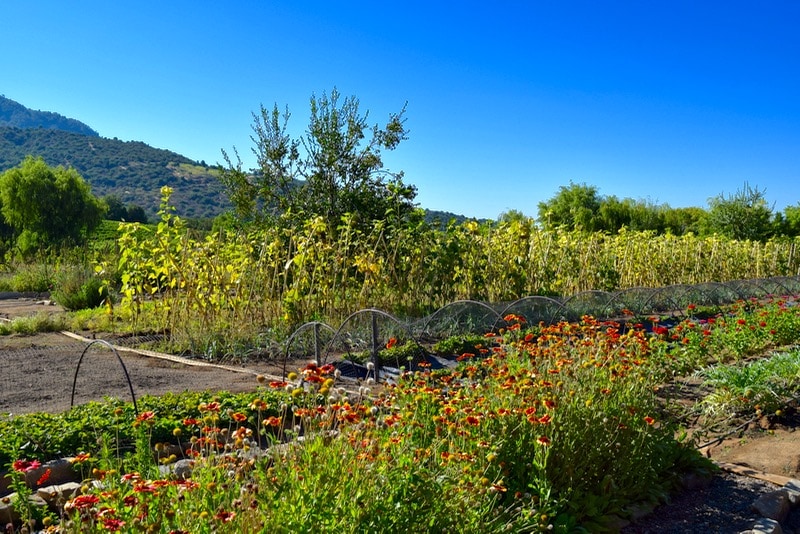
546 428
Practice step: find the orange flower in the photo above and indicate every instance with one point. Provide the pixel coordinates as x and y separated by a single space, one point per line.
239 417
472 420
145 417
649 420
391 343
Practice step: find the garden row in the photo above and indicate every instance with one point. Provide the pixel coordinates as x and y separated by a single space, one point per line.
539 427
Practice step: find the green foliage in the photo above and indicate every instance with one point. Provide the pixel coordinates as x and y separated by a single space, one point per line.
460 344
580 207
48 206
78 289
574 206
118 211
742 215
328 172
788 222
763 385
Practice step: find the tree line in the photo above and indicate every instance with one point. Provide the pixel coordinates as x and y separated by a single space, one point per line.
743 215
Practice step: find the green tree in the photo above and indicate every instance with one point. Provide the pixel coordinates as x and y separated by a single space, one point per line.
47 205
333 169
742 215
575 206
119 211
788 222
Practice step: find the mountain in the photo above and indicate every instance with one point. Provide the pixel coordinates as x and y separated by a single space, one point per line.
131 170
15 114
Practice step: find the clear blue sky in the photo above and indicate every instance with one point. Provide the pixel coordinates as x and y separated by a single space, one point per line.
674 102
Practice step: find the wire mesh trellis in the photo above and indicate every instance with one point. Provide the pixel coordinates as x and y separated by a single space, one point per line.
365 332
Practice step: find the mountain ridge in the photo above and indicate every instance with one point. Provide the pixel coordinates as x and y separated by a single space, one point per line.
13 113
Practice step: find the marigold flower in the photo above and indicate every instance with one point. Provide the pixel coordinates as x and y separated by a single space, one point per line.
80 458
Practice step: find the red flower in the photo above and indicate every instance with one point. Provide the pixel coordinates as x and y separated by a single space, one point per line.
391 343
543 440
277 384
239 417
224 516
113 524
145 417
23 466
649 420
44 478
472 420
82 502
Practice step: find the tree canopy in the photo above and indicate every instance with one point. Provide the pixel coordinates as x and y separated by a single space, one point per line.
47 205
334 169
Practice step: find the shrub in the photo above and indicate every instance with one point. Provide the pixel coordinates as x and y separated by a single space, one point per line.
78 290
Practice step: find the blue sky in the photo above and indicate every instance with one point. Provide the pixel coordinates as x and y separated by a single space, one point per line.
674 102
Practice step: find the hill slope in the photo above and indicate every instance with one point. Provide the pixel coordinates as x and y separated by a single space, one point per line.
15 114
130 169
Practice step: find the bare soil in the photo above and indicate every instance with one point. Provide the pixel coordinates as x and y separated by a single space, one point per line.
37 371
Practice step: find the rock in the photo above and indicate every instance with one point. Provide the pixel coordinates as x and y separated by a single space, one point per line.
57 494
773 505
765 526
181 469
61 471
792 494
7 512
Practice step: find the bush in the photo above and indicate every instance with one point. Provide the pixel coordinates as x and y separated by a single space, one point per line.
78 290
36 278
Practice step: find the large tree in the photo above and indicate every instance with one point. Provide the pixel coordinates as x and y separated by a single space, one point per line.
48 205
574 206
742 215
333 169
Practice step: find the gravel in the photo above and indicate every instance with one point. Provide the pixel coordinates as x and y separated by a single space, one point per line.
724 506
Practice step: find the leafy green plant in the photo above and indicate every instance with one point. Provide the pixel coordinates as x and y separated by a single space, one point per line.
77 289
764 385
